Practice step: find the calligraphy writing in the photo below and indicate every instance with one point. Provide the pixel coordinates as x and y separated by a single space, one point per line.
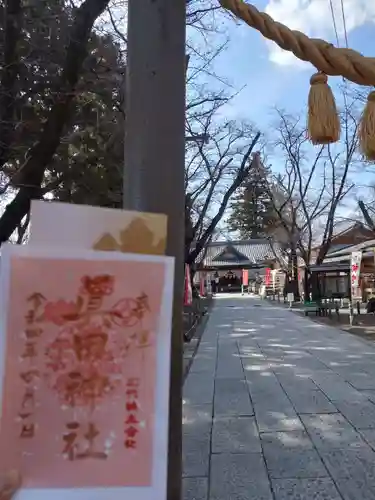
84 362
131 421
30 374
355 269
73 450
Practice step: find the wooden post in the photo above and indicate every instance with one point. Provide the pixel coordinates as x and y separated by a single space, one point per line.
154 161
351 313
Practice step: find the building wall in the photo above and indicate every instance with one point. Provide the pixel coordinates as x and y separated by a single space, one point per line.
367 277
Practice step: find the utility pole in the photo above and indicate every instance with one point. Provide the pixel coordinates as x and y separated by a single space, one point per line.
154 161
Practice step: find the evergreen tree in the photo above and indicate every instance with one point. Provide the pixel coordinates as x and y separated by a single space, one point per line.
252 211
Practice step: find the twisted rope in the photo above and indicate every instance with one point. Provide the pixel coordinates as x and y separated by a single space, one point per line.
323 55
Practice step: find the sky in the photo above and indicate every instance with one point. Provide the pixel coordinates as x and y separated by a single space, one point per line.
270 77
273 77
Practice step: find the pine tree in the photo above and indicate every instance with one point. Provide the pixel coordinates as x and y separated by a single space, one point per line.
252 211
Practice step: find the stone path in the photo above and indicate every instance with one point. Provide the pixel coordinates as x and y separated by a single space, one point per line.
278 407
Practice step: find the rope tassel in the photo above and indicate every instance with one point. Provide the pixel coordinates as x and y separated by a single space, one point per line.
323 122
366 132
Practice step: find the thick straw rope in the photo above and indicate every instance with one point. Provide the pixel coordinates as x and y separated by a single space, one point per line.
323 55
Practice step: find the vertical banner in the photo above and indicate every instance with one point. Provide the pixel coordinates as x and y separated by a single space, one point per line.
245 277
267 280
188 293
355 270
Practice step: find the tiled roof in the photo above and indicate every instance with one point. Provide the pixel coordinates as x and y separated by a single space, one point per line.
336 248
366 247
247 253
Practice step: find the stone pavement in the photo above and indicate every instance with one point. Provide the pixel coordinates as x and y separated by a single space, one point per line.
278 407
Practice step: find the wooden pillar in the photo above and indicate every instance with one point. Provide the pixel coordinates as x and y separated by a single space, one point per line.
154 160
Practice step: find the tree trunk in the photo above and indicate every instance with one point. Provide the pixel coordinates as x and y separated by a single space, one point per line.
307 283
315 289
291 282
322 252
295 274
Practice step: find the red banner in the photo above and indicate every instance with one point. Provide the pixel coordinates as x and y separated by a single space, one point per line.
188 293
267 280
245 277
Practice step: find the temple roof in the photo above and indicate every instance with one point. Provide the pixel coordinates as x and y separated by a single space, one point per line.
247 253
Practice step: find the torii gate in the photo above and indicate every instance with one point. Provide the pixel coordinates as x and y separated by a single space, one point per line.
323 120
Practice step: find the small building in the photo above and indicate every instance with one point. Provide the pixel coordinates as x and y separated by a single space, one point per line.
367 273
225 260
332 277
352 234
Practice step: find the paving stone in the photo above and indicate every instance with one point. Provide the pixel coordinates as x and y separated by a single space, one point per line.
195 455
235 435
283 420
305 489
293 383
227 348
229 368
249 349
369 436
256 366
203 365
195 488
266 391
340 439
262 380
232 398
294 463
311 402
239 477
196 437
370 395
193 415
337 389
273 442
361 381
273 402
350 463
357 488
325 422
198 389
360 414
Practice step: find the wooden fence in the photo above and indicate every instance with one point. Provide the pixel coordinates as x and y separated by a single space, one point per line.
193 315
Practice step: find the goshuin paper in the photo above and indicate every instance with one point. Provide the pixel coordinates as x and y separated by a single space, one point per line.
106 229
85 345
